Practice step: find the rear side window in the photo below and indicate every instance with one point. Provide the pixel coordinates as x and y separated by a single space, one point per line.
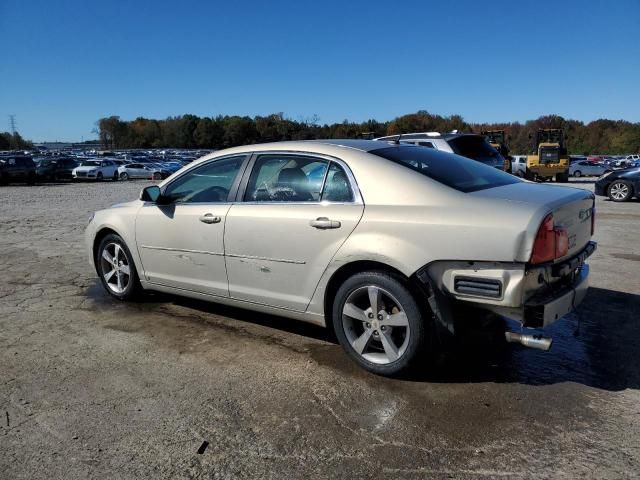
337 187
454 171
286 178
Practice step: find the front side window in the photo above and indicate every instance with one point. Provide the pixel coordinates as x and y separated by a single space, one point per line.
208 183
286 178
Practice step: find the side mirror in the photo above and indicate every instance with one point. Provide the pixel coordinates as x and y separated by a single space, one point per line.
150 194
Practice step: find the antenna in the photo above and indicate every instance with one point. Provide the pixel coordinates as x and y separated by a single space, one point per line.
397 140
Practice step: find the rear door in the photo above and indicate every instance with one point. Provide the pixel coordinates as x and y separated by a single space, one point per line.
294 212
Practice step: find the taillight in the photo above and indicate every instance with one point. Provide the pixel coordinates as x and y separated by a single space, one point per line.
551 242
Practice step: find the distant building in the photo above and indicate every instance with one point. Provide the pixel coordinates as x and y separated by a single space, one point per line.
62 145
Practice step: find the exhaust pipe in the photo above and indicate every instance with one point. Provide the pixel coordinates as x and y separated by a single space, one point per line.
532 341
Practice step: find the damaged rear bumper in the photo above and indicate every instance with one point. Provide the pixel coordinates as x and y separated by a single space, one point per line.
536 295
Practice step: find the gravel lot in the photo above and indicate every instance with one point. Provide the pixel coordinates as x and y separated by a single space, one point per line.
94 388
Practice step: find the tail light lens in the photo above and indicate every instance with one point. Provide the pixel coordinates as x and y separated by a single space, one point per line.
551 242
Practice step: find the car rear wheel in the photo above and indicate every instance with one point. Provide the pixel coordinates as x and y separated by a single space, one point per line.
116 269
99 177
620 191
378 322
115 176
157 176
124 176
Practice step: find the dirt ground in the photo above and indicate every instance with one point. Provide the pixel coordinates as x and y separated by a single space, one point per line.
95 388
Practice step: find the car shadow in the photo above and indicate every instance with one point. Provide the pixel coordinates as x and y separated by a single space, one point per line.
596 346
243 315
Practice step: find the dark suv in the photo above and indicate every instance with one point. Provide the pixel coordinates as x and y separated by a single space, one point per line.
56 168
17 169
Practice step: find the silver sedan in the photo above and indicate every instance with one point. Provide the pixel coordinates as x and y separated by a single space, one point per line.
382 242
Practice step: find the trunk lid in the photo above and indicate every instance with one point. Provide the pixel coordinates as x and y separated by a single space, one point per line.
572 209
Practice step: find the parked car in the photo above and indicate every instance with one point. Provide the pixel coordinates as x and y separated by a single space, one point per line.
632 158
385 250
56 168
468 145
587 168
17 169
619 185
138 170
519 165
96 170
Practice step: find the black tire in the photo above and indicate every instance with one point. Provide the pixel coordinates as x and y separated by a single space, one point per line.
115 176
577 174
620 191
99 177
157 176
132 289
393 291
124 176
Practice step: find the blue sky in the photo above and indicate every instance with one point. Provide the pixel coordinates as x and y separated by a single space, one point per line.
63 68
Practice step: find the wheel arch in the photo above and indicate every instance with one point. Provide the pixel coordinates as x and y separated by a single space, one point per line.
359 266
100 234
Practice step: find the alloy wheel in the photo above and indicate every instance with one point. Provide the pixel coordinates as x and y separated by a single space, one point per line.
114 267
376 325
619 191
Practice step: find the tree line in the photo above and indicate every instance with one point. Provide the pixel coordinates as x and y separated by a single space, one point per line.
14 141
190 131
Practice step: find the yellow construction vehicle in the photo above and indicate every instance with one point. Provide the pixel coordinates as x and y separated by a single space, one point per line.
549 158
498 140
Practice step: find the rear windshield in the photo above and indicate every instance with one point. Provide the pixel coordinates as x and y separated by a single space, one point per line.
477 148
452 170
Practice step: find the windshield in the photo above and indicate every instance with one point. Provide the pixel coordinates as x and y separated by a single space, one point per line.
495 137
452 170
91 163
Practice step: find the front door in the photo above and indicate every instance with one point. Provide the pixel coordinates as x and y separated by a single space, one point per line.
296 213
181 240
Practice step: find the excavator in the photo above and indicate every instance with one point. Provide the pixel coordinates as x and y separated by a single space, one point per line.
498 140
549 157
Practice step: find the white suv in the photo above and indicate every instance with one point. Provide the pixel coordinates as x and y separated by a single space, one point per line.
96 169
467 145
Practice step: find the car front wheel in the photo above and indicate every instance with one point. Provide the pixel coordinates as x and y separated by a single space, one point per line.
116 269
620 191
124 176
378 322
577 173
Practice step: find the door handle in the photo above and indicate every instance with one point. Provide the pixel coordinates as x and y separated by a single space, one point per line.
323 223
209 218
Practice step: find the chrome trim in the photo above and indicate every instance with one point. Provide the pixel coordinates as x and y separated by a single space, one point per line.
169 249
280 260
